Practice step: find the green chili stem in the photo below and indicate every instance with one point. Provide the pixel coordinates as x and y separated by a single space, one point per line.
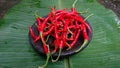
41 35
48 56
88 17
70 31
69 47
47 38
47 53
73 5
60 50
37 16
82 46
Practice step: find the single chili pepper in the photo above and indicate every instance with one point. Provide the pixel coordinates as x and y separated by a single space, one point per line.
49 31
46 50
32 33
43 24
86 39
45 46
76 38
89 28
38 21
36 39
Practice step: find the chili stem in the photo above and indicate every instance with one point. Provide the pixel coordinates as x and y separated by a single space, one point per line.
82 46
47 38
70 31
60 50
48 56
88 17
37 16
69 47
41 35
73 5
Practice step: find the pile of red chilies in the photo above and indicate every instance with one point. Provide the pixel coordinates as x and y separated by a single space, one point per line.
64 26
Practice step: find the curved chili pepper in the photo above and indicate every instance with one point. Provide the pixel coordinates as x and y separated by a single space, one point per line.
32 33
86 38
76 38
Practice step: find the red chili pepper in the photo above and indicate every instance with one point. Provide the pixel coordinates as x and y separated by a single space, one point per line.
36 39
49 31
38 21
75 39
86 38
64 34
32 33
45 49
89 28
56 40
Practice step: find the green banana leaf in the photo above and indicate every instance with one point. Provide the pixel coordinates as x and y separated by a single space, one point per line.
16 52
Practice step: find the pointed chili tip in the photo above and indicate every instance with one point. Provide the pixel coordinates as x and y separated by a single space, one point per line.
32 33
82 46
